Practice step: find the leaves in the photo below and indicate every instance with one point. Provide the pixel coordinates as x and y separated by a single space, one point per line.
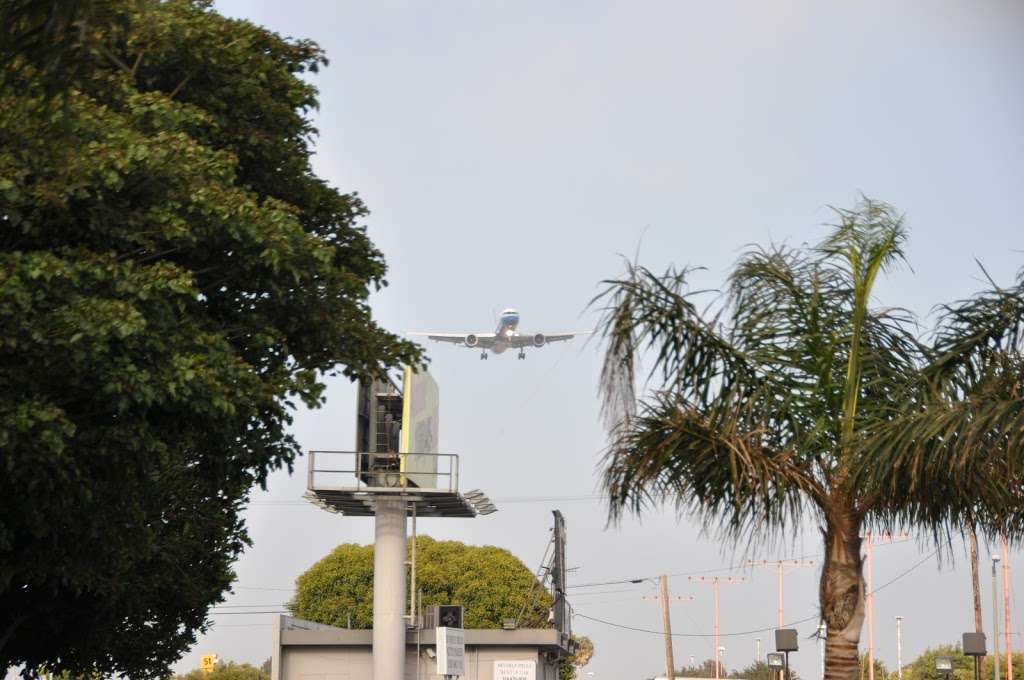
489 582
173 276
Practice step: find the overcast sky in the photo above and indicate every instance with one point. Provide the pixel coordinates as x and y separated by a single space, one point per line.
510 151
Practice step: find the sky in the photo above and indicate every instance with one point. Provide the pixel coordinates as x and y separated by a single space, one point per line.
512 153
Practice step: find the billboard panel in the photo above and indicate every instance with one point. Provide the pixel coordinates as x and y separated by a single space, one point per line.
420 428
451 651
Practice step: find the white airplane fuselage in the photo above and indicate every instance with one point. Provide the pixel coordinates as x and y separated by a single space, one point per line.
505 336
505 331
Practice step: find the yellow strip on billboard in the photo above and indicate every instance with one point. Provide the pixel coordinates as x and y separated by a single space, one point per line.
420 428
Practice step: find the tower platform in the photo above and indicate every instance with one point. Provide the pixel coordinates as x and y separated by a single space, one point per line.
352 482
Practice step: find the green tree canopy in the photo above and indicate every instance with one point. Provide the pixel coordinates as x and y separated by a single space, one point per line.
923 667
490 583
174 278
760 670
797 399
227 671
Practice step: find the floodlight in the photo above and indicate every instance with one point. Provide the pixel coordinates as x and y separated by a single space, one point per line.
944 664
775 660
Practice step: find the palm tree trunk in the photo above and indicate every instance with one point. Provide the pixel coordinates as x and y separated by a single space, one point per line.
842 596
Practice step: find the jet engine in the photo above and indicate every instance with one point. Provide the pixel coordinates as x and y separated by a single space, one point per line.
538 340
472 340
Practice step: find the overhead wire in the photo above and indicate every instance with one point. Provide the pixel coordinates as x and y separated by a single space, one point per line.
758 630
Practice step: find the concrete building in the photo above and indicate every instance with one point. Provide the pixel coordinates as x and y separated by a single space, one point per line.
303 650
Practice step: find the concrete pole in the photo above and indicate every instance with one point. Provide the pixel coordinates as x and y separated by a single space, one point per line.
670 664
717 655
995 618
871 615
1007 621
899 647
757 654
389 590
782 601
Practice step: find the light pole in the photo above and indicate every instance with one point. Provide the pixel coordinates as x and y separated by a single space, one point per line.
1007 619
995 618
757 653
869 541
899 647
718 658
822 630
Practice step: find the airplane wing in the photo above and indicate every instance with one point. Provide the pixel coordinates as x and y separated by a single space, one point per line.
484 340
527 340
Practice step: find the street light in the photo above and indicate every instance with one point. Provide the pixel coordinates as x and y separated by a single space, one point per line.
899 647
995 619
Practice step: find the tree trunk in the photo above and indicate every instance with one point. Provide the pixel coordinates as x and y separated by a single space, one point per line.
842 597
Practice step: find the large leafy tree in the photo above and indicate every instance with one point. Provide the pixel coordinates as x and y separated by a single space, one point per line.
227 671
491 584
797 400
173 279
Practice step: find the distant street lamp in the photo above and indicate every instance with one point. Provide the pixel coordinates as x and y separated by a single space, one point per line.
899 647
995 618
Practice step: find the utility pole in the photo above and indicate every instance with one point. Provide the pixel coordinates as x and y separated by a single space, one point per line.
976 594
899 647
666 600
716 584
1007 621
995 619
757 654
869 541
781 566
670 665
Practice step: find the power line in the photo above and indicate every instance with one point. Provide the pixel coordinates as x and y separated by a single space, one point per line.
641 579
759 630
692 635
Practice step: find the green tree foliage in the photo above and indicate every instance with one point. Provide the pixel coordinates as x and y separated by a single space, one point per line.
923 667
796 399
584 651
173 280
489 582
227 671
881 670
759 670
702 670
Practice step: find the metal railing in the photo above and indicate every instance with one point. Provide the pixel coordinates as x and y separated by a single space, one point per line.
366 471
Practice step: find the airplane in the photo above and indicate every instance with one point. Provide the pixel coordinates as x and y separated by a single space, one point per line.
503 337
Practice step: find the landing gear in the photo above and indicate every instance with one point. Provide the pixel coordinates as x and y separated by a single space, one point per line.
483 355
522 354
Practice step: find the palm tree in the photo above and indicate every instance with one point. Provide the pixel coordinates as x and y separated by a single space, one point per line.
777 405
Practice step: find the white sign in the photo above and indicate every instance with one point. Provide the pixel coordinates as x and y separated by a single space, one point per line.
451 651
515 670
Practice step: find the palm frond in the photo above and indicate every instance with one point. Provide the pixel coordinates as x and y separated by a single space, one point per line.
955 459
716 468
971 331
645 312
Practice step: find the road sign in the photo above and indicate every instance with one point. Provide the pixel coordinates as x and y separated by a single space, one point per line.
451 651
207 662
515 670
